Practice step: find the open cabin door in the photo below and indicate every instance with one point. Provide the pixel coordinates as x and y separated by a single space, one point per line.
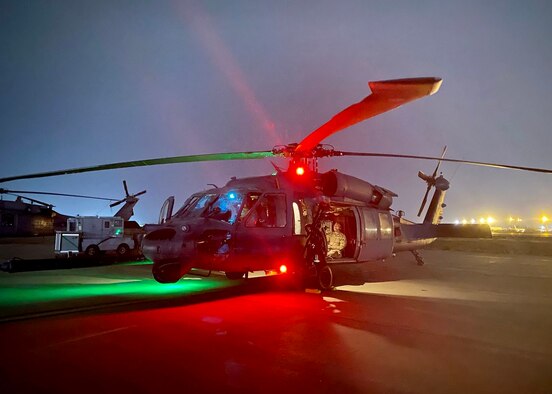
166 210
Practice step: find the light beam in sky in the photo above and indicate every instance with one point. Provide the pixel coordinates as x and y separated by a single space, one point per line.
226 63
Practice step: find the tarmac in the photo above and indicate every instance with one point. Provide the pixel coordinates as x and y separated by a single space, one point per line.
464 322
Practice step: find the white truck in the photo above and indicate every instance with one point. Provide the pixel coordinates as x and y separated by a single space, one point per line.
93 235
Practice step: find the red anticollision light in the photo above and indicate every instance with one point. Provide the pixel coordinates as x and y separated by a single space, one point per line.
283 269
300 171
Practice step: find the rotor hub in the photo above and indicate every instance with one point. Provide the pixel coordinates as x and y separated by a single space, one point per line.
291 151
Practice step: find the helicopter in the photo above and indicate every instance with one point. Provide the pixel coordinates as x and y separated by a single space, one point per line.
26 216
298 220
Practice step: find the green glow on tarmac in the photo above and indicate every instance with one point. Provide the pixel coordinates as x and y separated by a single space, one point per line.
143 262
133 290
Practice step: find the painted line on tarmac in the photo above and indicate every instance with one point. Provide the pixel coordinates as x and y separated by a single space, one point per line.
85 337
58 312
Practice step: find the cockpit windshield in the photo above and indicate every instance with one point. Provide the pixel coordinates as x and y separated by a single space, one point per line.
195 205
223 207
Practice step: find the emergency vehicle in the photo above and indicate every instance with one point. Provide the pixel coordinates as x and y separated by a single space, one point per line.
93 235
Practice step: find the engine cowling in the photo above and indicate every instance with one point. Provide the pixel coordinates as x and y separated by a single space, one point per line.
336 184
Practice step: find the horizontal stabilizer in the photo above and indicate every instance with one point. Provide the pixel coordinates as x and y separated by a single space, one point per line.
427 230
464 231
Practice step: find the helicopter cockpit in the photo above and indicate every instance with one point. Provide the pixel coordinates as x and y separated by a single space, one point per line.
224 207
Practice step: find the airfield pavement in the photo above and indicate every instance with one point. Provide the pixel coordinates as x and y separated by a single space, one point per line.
464 322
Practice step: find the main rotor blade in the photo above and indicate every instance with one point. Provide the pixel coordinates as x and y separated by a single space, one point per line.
474 163
30 199
55 194
149 162
385 96
439 163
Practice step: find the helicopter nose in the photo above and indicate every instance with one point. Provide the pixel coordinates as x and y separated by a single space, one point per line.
161 245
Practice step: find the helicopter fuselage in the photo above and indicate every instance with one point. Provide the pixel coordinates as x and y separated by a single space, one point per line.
263 223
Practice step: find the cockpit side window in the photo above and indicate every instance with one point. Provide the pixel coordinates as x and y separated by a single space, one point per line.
249 202
269 211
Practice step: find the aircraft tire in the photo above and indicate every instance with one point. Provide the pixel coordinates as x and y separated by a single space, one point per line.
92 251
167 273
325 277
235 275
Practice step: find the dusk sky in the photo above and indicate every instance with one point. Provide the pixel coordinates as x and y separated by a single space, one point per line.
85 83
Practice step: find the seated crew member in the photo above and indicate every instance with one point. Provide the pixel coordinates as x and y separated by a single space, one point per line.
336 241
266 213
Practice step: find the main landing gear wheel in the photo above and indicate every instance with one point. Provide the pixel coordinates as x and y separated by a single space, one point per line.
235 275
325 277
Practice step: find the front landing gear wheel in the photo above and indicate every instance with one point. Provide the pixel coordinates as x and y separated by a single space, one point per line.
168 273
235 275
325 277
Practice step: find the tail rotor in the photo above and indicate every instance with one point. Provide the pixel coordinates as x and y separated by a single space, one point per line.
431 180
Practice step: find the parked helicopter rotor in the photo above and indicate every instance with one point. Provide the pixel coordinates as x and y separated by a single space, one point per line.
17 192
128 197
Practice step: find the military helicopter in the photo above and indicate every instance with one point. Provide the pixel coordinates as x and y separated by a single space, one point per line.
291 221
26 216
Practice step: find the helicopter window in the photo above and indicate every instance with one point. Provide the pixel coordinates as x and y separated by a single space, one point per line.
370 225
296 219
225 207
386 225
191 201
106 224
197 206
248 203
270 211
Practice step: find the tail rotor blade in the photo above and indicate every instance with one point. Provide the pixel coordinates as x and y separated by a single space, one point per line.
117 203
424 200
126 188
139 194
